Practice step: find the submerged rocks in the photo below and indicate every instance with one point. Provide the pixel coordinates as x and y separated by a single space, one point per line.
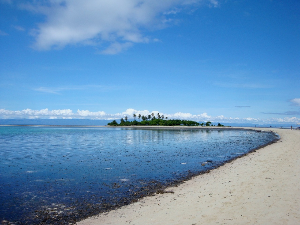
106 168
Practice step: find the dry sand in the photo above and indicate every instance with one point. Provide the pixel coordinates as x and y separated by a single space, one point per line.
260 188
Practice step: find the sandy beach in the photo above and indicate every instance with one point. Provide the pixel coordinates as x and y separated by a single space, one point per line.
262 187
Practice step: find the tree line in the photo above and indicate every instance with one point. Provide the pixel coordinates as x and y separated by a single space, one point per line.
158 120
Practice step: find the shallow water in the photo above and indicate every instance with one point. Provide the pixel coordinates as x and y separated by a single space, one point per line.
52 175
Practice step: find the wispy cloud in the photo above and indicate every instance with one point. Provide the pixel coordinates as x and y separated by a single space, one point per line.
19 28
116 47
287 113
214 3
116 23
101 115
59 90
2 33
6 1
246 85
295 102
48 90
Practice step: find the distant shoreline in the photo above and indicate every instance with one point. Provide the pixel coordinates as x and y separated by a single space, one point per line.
137 127
43 125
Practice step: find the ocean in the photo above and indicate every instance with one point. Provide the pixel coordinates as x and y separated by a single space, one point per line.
60 175
89 122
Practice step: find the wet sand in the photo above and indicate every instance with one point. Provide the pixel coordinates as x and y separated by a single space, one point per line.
262 187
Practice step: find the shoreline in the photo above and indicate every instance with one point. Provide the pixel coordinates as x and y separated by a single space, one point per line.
261 187
146 127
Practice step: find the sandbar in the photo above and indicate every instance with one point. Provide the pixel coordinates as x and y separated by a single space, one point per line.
262 187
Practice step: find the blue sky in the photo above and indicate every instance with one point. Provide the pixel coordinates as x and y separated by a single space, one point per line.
218 60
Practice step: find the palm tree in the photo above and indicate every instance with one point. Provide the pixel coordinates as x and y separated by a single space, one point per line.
134 116
140 116
162 116
153 116
149 117
158 116
126 118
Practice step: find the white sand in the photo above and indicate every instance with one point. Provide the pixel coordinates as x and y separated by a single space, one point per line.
260 188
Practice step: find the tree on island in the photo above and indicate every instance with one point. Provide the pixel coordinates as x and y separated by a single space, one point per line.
159 121
158 116
208 123
113 123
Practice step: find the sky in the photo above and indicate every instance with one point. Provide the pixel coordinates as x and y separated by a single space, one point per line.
205 60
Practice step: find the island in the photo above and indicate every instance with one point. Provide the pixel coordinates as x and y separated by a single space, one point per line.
158 120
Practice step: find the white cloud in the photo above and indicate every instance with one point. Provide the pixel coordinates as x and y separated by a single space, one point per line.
87 113
116 23
101 115
296 101
130 112
251 119
189 116
220 117
204 115
182 115
35 114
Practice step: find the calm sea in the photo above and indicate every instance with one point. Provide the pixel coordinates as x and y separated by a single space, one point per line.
59 175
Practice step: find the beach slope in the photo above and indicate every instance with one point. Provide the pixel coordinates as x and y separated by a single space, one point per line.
262 187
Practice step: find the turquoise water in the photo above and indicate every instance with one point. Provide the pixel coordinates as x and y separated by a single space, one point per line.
57 175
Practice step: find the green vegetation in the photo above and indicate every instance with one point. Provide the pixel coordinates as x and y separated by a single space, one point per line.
160 120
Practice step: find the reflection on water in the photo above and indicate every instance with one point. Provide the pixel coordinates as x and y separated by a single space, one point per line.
55 174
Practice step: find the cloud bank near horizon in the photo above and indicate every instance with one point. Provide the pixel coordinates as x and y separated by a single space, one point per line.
101 115
115 25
